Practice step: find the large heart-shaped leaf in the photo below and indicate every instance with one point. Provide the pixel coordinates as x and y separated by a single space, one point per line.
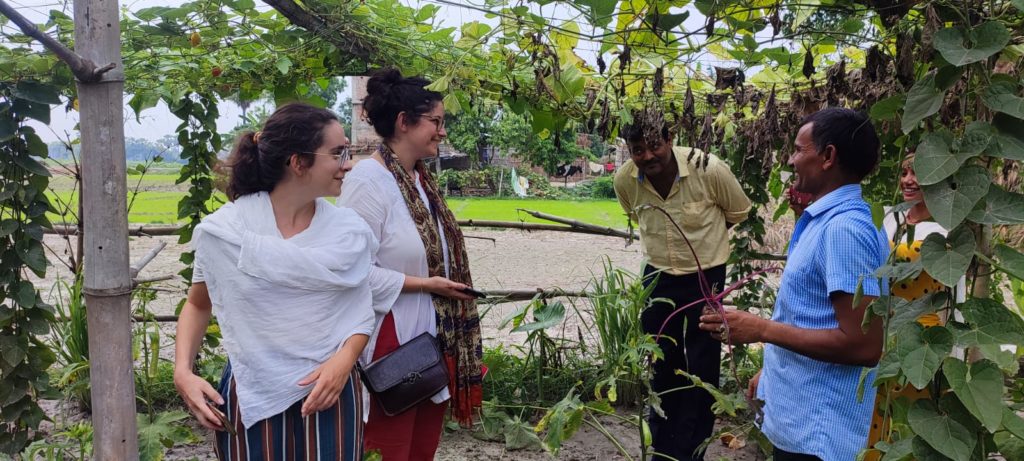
921 451
1010 260
921 351
977 137
923 100
960 48
979 387
1009 137
937 160
946 258
953 198
906 312
944 434
887 108
999 207
1013 423
544 316
1001 96
990 322
38 92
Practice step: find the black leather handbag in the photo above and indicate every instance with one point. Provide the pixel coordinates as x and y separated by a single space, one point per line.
407 376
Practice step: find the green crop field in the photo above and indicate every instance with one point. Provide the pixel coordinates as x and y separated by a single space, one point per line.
156 202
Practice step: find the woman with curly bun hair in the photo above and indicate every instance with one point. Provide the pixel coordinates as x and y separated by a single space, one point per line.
285 272
421 267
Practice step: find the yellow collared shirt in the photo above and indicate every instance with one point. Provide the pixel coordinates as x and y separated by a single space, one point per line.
701 201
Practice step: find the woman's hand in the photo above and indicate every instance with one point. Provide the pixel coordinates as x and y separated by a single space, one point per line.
447 288
197 392
330 379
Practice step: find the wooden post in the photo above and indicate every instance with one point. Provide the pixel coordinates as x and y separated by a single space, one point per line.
107 285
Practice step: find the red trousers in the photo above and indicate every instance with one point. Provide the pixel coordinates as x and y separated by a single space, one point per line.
413 435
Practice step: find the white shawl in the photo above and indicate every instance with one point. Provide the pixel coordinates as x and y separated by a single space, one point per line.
284 305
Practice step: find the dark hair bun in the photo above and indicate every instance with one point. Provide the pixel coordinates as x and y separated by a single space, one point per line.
389 94
382 81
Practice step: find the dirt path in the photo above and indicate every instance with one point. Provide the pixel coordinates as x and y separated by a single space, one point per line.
501 259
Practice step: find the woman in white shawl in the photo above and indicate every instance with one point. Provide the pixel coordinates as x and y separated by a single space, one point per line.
284 271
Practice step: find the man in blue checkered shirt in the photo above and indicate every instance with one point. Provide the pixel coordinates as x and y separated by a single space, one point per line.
815 349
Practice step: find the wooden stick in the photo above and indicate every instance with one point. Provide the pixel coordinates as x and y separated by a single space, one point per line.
135 268
84 70
580 225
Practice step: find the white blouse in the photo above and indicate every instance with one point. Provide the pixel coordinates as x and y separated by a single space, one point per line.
371 191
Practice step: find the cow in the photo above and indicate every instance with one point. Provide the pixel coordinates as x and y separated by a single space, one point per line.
567 170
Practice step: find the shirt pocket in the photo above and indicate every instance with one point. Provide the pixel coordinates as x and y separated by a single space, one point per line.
695 214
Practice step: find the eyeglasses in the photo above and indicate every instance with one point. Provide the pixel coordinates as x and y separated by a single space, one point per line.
437 121
341 154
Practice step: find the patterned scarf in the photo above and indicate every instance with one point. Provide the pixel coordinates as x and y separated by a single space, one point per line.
458 324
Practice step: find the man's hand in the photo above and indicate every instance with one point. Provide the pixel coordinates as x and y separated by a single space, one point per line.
752 386
744 327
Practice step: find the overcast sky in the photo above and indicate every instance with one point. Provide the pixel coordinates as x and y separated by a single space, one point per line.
158 121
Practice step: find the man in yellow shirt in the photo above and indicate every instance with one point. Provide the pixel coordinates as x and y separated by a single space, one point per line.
705 200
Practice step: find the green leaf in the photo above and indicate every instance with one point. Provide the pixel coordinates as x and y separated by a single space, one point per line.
452 105
1009 137
1010 260
946 259
901 450
1011 448
977 137
26 108
26 294
923 100
37 92
284 65
941 432
1013 423
32 255
570 83
953 198
907 312
440 85
544 316
999 207
960 48
142 101
887 108
8 127
568 38
475 30
979 387
921 351
924 452
31 165
935 159
888 367
8 226
1001 96
947 76
990 323
519 435
11 349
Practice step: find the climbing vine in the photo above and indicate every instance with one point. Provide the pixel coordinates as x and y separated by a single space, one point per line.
24 318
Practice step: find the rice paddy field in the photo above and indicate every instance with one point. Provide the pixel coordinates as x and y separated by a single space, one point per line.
153 199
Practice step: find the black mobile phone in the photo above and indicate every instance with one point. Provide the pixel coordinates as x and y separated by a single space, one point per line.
472 292
223 419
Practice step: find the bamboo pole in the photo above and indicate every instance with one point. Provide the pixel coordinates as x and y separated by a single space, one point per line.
107 286
581 225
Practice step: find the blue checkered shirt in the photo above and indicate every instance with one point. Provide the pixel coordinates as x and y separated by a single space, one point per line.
811 406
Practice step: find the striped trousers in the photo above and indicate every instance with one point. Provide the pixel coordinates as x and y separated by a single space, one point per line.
335 433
